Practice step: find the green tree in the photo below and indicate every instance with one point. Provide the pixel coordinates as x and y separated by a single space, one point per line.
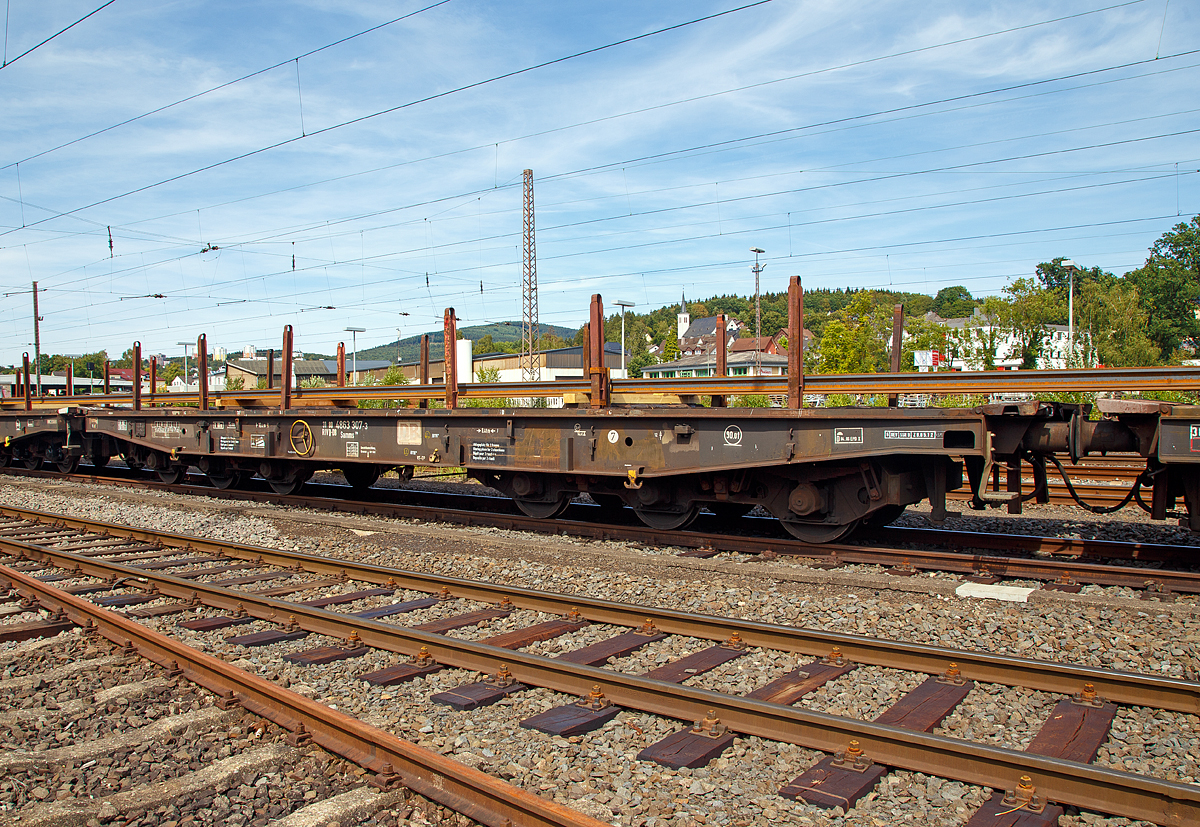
1169 288
855 340
1181 244
978 342
954 302
638 362
670 349
488 376
922 335
484 344
1057 278
1169 295
1116 324
1026 315
394 376
234 383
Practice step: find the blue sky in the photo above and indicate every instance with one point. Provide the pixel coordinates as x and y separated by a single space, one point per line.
861 144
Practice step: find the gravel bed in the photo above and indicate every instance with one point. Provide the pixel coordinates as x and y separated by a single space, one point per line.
250 798
599 773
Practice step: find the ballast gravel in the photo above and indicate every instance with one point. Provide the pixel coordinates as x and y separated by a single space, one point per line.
599 773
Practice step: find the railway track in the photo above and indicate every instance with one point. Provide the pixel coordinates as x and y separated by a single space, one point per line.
343 614
93 735
1059 563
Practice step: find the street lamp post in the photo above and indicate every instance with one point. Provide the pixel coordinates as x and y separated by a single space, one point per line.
621 303
1071 268
186 378
354 331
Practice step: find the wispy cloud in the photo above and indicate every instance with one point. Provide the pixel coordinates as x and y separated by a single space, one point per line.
620 209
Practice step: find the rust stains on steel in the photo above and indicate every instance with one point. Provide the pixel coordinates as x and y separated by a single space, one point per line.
450 365
285 380
795 350
475 794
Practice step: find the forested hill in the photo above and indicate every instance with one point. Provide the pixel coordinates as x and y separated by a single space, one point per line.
410 346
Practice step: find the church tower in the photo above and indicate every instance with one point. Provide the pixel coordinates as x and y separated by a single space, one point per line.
684 318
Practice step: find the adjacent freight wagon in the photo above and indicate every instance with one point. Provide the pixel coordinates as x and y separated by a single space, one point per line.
821 471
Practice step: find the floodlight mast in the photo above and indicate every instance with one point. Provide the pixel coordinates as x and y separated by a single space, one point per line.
1071 267
354 331
186 379
757 268
621 303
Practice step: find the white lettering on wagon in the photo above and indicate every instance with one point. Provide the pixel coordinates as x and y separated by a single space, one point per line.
408 432
910 434
733 435
165 429
488 451
847 436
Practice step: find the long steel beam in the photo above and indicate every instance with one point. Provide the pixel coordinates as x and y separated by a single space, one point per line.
868 384
1066 782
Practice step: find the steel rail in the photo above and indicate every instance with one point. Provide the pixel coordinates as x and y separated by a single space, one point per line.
836 553
1066 782
1166 378
1067 679
1075 547
475 794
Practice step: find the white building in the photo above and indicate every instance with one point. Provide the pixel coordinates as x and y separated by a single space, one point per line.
972 336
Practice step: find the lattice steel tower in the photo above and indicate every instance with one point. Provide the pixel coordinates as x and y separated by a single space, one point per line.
531 369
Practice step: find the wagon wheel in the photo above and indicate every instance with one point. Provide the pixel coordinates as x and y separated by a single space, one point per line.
227 479
302 438
541 509
170 476
361 476
32 463
818 532
286 487
667 520
290 486
67 466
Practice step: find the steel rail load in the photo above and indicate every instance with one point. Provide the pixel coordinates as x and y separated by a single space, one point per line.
821 471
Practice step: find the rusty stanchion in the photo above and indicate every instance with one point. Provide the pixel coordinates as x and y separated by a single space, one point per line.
28 397
202 369
107 377
341 365
795 381
897 341
153 377
450 336
285 379
70 378
271 369
722 368
597 372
